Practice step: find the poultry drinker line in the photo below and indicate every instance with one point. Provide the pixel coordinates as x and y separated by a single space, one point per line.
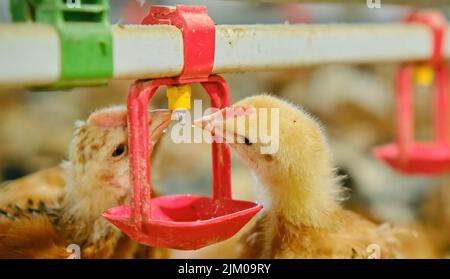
406 155
188 221
184 222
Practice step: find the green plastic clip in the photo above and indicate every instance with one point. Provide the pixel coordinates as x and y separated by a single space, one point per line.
85 37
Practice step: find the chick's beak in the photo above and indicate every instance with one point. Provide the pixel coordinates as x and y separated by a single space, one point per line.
158 120
218 123
208 122
213 122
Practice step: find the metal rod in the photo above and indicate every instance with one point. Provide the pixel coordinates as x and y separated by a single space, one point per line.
30 54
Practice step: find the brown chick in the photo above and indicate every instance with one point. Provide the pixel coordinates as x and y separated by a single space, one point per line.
43 213
304 218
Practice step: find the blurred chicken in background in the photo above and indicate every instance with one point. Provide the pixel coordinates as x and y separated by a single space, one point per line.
435 215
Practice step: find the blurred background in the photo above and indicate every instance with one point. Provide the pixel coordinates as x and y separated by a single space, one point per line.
355 104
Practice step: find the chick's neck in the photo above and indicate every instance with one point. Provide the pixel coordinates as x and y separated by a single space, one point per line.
304 192
80 221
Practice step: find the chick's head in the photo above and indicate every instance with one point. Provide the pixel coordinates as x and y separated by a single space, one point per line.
271 135
98 168
289 154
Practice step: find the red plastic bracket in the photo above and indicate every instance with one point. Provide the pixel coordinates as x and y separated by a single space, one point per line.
180 221
137 103
198 31
406 155
437 23
198 38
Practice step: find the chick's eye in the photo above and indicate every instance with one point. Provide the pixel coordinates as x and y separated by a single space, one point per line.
247 141
120 149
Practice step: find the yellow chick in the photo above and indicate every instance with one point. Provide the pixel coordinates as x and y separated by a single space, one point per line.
303 218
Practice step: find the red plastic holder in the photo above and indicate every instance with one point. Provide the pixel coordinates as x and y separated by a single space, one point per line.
406 155
198 38
183 222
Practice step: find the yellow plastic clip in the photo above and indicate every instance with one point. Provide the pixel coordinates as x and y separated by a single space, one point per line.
179 97
423 75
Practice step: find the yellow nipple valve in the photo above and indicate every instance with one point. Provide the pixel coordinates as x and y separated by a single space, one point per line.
179 97
423 75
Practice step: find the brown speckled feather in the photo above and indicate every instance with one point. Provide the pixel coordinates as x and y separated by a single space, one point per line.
28 208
